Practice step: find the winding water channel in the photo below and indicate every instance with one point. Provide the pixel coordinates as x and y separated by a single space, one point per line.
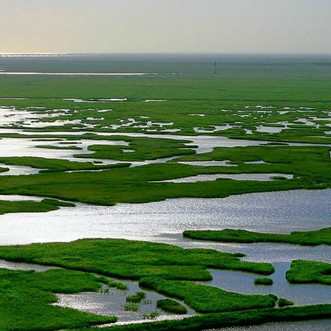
166 220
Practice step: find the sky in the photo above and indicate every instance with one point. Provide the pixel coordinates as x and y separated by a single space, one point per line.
165 26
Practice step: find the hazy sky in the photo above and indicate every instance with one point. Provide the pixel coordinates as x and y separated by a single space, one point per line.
225 26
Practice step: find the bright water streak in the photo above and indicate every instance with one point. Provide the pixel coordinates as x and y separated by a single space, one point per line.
165 221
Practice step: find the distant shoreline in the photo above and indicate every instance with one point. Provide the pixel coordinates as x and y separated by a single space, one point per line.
76 73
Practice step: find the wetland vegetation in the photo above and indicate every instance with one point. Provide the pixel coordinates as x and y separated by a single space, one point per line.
27 300
52 165
309 272
263 281
133 259
208 299
26 206
232 319
111 140
308 238
171 306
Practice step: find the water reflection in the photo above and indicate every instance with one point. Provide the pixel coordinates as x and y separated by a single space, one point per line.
165 221
262 177
300 294
113 301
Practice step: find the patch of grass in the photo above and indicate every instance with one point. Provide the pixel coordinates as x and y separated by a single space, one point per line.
67 147
284 303
310 238
207 299
244 81
3 169
48 165
113 283
263 281
27 206
220 98
309 163
151 316
303 271
136 298
171 306
143 149
132 259
131 306
232 319
118 285
138 184
26 300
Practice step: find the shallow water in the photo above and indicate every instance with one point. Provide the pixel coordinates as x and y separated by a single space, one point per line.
214 128
269 129
24 266
95 100
204 143
108 301
18 170
112 303
16 147
206 178
166 220
27 147
225 163
300 294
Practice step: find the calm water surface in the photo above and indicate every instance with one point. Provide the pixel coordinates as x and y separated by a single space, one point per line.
300 294
165 221
113 302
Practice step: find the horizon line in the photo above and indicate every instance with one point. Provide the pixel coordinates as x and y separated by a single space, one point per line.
50 54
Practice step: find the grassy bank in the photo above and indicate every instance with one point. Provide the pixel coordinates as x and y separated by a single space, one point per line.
309 272
140 184
50 165
263 281
222 320
171 306
309 238
308 165
132 259
26 300
208 299
26 206
139 149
